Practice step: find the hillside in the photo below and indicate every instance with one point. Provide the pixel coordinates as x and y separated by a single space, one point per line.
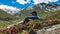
54 15
6 19
5 16
37 26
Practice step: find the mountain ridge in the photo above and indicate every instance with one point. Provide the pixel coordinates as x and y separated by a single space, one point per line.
43 6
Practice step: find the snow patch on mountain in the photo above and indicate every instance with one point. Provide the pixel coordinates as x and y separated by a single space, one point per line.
9 9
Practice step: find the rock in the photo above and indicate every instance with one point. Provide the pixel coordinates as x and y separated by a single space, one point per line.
53 30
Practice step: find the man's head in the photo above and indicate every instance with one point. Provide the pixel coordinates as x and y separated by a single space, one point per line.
34 13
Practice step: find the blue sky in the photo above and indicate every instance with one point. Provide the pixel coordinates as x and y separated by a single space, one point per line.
16 4
58 2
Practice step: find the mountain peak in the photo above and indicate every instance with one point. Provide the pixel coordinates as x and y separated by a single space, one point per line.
9 9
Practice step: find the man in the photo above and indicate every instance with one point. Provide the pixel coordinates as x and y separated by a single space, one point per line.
33 17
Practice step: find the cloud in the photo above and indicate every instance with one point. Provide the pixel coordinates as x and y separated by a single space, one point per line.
23 2
40 1
45 1
53 0
35 1
9 9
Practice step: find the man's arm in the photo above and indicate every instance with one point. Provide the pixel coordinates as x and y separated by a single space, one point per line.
41 18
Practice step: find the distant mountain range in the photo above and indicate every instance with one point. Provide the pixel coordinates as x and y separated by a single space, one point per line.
42 7
48 7
45 7
9 9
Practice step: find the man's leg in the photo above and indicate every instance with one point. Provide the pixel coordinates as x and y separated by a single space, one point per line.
26 20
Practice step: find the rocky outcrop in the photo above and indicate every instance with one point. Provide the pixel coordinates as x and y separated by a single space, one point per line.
53 30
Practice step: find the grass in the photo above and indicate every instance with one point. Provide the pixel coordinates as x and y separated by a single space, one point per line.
6 19
5 16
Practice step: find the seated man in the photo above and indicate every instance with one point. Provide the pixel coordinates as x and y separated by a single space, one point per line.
33 17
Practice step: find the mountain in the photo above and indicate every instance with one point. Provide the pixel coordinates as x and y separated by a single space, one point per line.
9 9
48 7
5 16
41 9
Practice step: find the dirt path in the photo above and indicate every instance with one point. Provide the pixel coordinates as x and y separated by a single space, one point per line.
14 24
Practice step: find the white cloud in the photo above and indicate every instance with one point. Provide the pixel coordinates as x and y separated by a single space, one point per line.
35 1
9 9
40 1
53 0
23 2
45 1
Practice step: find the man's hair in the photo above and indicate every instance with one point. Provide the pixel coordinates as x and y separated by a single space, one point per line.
34 12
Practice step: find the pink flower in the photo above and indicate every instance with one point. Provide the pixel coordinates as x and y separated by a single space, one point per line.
1 31
9 31
13 33
13 27
26 24
58 20
49 21
23 26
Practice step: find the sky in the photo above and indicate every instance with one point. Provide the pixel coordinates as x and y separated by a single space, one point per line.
26 3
